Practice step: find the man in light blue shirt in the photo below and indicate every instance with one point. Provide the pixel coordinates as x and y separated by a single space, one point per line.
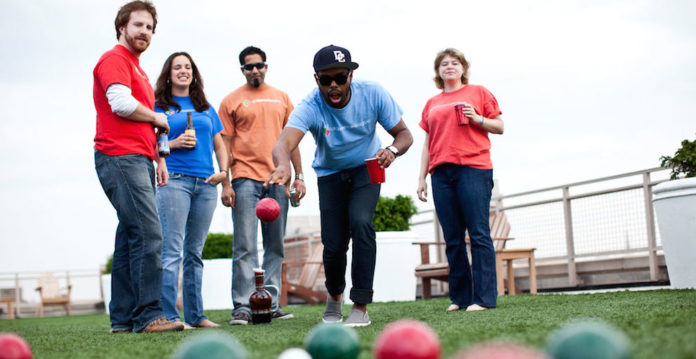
342 116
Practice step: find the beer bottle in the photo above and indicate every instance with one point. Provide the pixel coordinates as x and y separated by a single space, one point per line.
190 130
260 301
163 144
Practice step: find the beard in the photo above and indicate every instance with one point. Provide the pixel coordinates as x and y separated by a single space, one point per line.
336 98
256 83
137 45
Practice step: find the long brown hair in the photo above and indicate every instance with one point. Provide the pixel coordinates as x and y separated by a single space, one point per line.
125 11
163 87
457 55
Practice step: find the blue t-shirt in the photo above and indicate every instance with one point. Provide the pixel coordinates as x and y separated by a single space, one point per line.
346 137
199 161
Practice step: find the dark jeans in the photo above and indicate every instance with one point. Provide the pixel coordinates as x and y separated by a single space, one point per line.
136 274
462 198
347 202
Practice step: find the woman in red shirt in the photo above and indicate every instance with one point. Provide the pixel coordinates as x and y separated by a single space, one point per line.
456 153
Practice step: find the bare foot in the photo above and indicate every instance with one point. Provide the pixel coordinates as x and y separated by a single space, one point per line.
453 308
205 323
475 307
186 326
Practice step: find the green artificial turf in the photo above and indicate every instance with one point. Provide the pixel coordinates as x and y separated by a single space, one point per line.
659 324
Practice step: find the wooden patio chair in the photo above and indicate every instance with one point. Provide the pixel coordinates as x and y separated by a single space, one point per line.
304 287
52 294
500 229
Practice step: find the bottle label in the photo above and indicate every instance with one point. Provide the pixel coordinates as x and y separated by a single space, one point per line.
261 311
163 146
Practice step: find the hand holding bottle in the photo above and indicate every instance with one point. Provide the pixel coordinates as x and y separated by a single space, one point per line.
185 140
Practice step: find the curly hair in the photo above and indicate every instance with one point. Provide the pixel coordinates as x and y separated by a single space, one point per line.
163 87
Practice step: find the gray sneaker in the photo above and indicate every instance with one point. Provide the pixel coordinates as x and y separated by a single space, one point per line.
279 314
357 319
240 318
332 313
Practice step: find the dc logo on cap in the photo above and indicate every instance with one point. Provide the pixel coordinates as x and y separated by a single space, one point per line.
340 57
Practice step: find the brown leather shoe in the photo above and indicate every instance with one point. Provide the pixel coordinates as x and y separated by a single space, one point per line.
163 325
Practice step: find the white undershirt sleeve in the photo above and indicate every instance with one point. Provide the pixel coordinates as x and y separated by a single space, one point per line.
121 100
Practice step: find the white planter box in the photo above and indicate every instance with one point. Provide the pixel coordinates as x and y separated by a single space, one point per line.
106 287
397 259
216 288
675 205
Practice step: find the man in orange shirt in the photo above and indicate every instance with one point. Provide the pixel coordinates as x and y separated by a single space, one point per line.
253 116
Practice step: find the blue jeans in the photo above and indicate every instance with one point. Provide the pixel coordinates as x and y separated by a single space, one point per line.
186 205
462 198
136 274
245 257
347 202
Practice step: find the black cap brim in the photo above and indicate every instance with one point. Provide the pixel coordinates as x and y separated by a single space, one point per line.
339 65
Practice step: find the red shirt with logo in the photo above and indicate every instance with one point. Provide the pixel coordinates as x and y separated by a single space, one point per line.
117 135
450 143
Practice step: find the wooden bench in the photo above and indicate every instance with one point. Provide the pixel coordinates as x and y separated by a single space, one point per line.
500 229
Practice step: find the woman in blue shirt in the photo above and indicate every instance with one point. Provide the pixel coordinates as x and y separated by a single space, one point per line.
186 204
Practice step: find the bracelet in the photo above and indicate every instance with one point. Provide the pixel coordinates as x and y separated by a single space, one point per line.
482 119
300 177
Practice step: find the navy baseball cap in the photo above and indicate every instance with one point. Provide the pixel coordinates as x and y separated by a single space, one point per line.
331 57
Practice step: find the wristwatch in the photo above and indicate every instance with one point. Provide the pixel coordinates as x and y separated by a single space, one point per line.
299 176
393 150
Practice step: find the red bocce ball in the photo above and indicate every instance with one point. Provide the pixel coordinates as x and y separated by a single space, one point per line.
267 210
407 339
12 346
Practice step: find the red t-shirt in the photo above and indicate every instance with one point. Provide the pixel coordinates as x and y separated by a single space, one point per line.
450 143
117 135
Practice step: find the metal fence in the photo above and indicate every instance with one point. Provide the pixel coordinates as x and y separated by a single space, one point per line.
21 286
598 218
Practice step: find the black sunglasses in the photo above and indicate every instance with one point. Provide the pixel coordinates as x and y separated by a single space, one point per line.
258 65
340 79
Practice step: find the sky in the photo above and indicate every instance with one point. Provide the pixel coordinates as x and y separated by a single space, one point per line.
587 89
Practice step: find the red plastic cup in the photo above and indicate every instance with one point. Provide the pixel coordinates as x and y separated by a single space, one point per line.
376 172
461 119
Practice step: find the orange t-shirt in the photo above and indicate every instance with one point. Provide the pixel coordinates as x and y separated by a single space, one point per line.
450 143
254 118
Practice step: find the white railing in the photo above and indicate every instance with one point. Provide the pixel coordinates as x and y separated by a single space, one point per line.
21 286
599 218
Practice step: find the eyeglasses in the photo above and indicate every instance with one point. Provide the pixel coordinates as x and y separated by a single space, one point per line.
258 65
340 79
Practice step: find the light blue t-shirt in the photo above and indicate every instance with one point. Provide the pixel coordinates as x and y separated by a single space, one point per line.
346 137
199 161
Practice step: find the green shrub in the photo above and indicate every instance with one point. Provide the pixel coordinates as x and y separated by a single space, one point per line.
393 214
218 245
684 160
109 263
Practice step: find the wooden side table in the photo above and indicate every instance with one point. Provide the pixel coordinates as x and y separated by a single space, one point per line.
10 307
